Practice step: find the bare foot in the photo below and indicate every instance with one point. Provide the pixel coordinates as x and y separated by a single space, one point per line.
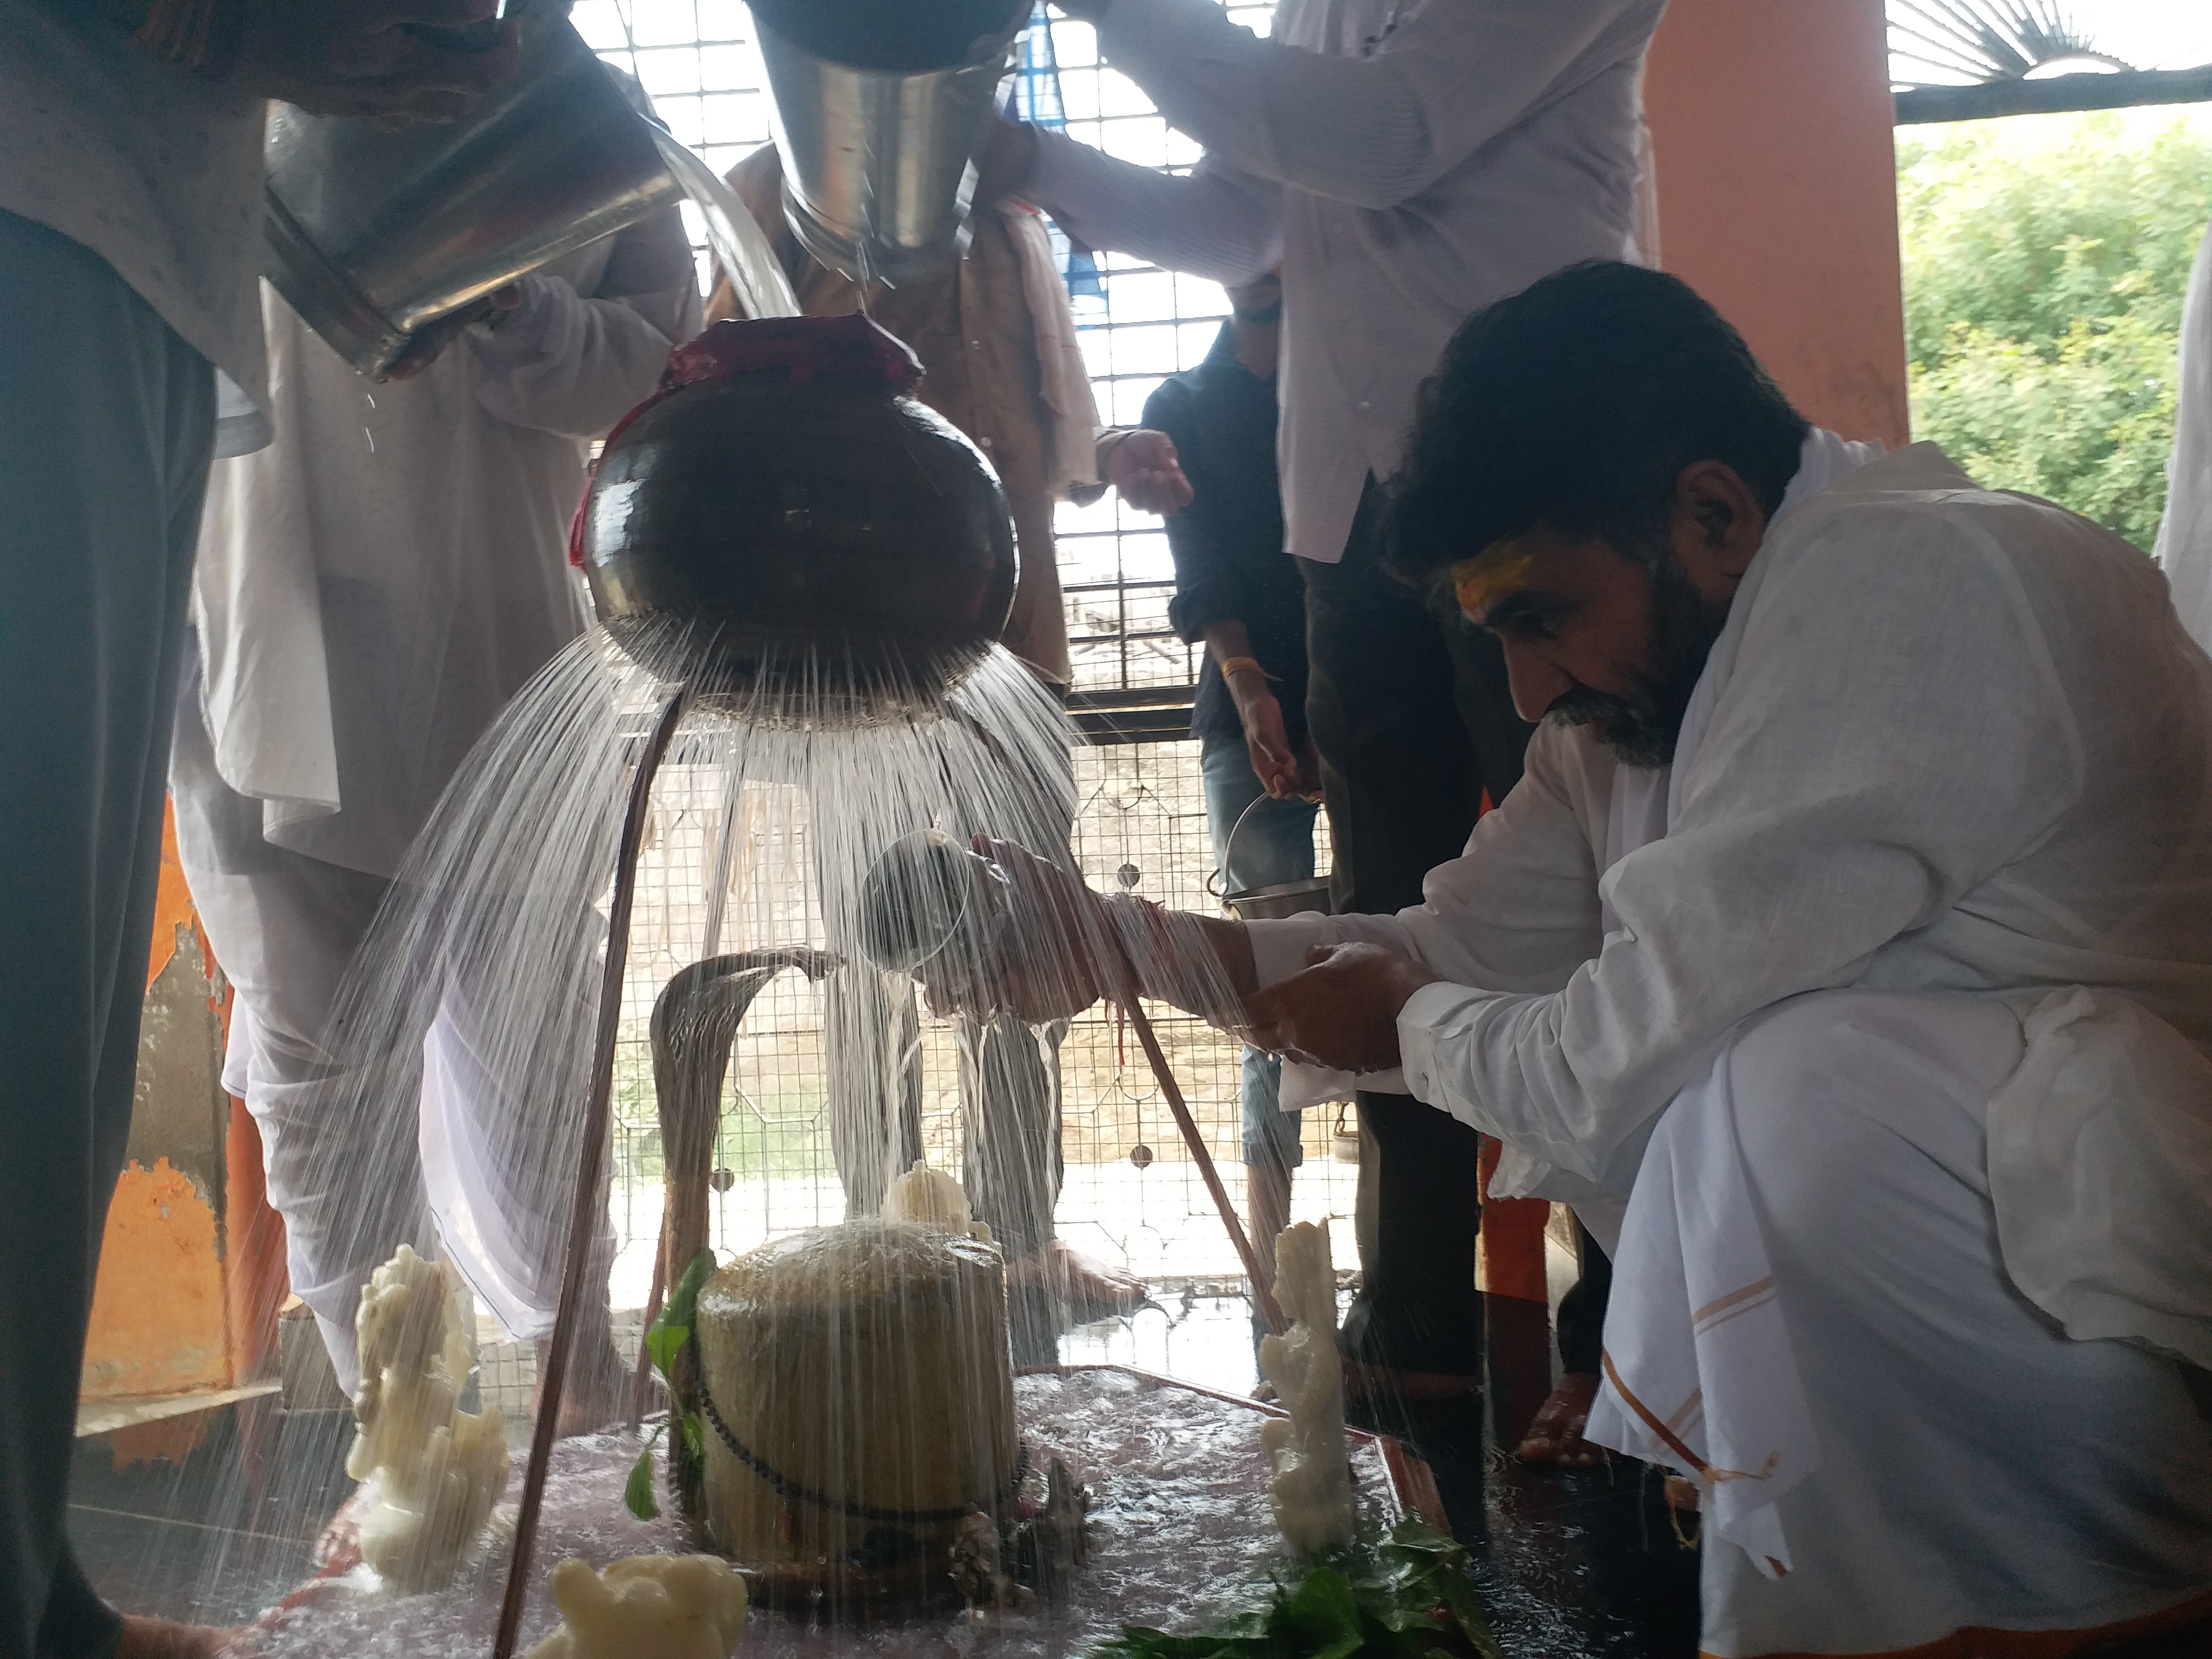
597 1389
157 1638
1093 1290
1556 1436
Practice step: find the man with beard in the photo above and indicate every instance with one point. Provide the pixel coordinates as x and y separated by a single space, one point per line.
1850 924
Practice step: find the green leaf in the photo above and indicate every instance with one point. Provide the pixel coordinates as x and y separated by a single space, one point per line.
637 1491
1320 1619
664 1341
695 1438
683 1300
672 1328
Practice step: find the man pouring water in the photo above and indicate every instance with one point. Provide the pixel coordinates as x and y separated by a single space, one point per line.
1842 954
131 156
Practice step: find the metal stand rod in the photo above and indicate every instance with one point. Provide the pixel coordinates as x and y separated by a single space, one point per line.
718 893
1263 1294
583 1213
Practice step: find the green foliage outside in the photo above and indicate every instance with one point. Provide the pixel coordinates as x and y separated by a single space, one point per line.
2045 261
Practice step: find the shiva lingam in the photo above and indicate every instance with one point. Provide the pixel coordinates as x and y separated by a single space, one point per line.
858 1449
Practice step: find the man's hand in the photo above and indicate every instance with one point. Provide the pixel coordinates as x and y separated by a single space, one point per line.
1144 467
370 58
1342 1011
1283 774
1053 959
1004 163
427 341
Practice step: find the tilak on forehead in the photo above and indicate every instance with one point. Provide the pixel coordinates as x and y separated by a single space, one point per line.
1504 566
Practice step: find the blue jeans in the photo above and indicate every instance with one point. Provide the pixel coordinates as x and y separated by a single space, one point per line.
1276 846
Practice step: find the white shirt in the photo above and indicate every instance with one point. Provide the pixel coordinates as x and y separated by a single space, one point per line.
374 584
1959 742
1407 162
154 170
2185 534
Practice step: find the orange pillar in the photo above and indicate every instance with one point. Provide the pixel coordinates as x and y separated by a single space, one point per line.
1776 175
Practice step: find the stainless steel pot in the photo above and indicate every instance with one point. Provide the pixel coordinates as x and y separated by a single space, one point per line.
1285 898
372 234
879 107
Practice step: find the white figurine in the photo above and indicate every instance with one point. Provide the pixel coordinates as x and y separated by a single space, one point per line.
438 1469
648 1607
1310 1492
930 1198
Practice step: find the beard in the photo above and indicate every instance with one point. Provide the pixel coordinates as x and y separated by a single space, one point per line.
1643 726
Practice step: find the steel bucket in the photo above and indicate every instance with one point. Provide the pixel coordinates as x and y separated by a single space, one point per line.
370 234
1285 898
880 106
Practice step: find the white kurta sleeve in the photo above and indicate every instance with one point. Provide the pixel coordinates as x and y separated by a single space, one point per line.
1445 79
576 363
1517 911
1891 734
1214 221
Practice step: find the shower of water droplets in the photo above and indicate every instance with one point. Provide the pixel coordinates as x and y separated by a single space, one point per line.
479 988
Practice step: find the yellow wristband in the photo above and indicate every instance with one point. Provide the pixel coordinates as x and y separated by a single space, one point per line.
1238 665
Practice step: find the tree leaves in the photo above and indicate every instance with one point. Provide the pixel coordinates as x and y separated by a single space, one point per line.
2045 262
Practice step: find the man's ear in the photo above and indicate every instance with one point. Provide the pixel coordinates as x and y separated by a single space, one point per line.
1716 526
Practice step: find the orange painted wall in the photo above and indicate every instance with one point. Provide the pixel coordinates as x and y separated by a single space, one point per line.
1772 126
186 1299
158 1319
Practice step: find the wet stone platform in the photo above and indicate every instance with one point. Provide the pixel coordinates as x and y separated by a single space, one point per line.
1573 1563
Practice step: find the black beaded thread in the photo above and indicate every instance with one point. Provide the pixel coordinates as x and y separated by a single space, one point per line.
791 1491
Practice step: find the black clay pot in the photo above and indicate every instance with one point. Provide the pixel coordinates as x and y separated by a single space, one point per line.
829 532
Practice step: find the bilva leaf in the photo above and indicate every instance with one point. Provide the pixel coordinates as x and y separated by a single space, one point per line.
672 1330
637 1491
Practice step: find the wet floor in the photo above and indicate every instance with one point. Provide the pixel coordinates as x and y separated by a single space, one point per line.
1573 1563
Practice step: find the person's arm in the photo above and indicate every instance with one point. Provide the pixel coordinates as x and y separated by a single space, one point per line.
1211 599
394 60
576 363
1376 130
1891 736
1212 221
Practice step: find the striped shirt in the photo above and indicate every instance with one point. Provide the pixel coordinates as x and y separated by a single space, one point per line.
1408 162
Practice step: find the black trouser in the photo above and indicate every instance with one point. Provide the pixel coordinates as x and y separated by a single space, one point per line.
1409 709
1582 1309
106 422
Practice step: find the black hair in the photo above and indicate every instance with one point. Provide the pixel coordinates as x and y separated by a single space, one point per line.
1576 405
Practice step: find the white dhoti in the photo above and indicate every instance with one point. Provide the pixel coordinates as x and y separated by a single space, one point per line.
474 1173
1826 1335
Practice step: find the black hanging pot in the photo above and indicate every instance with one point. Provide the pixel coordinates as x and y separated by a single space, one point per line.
784 519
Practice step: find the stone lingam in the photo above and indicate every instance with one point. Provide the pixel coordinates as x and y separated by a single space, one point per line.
859 1408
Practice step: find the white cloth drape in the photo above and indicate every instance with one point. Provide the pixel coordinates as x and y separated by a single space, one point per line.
1063 377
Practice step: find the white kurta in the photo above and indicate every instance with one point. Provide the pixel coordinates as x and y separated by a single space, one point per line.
1957 743
375 583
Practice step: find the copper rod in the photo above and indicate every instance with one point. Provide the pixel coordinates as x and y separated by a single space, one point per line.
584 1212
1263 1295
640 1382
